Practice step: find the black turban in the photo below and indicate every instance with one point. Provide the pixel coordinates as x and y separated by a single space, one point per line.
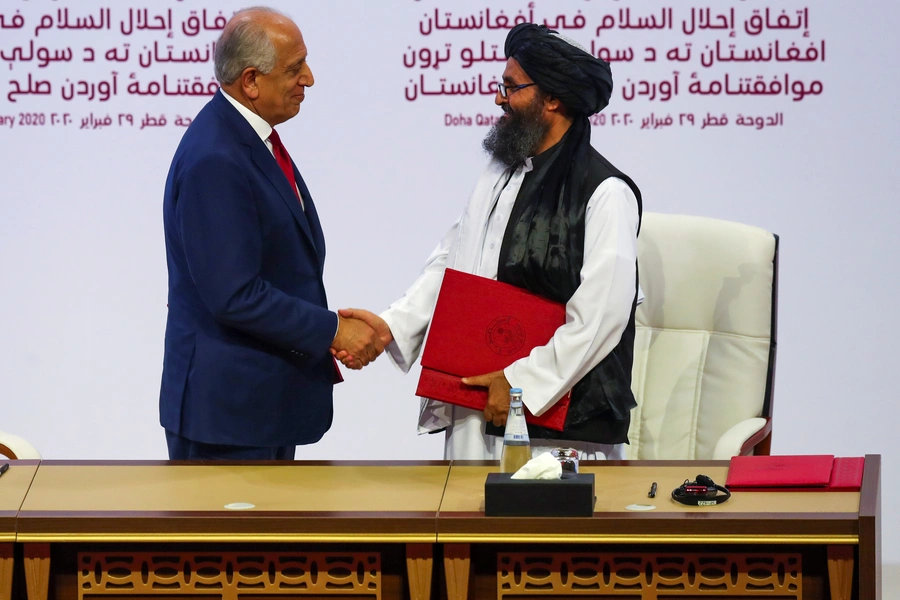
583 83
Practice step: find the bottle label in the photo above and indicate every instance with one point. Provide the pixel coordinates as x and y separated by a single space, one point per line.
516 433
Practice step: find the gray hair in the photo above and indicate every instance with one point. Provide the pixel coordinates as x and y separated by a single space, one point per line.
245 43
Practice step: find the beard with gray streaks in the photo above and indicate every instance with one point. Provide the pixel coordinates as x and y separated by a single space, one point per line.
518 134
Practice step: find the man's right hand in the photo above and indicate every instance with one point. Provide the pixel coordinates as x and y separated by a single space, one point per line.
382 331
357 339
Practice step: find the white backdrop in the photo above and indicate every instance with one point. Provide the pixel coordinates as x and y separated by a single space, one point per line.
82 258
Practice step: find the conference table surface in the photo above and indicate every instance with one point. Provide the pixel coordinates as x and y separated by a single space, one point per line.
291 502
770 517
414 502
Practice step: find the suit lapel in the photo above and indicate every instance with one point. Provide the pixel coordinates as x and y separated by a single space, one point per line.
266 163
312 215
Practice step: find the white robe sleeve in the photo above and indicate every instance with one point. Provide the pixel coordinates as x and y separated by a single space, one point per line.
598 312
409 316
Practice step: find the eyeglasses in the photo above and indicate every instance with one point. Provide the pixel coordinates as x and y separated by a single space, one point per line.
507 90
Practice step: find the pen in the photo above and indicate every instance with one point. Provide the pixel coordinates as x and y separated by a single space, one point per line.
3 468
652 493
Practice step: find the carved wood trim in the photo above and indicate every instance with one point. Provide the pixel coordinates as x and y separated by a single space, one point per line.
649 575
229 574
6 571
37 570
419 567
840 571
457 561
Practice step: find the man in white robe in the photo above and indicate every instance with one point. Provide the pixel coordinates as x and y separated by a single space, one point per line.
600 309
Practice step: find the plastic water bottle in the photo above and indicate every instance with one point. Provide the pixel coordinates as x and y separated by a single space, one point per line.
516 444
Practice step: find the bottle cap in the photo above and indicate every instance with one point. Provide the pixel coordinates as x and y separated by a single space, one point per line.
515 391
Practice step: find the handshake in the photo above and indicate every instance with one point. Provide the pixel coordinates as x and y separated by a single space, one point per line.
360 338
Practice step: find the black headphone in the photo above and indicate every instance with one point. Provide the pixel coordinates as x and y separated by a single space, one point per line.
702 492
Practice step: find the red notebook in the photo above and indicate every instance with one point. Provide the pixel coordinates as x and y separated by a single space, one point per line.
479 326
795 473
846 474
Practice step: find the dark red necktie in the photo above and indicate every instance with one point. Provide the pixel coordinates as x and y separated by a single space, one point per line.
284 160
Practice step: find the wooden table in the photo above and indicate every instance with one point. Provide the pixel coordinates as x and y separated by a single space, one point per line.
14 485
789 544
138 528
325 530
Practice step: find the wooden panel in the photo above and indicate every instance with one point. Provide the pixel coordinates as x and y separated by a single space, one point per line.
840 571
13 486
870 530
457 566
37 570
419 570
6 570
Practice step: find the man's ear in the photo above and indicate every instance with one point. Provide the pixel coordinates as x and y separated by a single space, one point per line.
249 83
552 104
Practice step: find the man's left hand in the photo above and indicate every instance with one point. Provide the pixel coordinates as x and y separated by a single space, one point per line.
497 407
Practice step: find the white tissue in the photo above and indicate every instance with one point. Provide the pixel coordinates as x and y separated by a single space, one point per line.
544 466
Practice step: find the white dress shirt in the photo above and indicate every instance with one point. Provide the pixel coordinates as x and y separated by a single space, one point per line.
262 129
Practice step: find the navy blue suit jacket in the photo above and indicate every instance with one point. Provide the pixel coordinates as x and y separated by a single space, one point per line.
248 333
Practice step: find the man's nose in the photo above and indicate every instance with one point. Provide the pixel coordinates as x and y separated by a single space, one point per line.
308 79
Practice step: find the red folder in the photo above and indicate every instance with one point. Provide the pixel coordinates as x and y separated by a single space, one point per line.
795 473
479 326
779 471
846 474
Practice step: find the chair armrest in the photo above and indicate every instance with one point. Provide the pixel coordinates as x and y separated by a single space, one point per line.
734 441
17 447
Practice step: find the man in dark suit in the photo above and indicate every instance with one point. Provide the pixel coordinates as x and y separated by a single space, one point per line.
248 369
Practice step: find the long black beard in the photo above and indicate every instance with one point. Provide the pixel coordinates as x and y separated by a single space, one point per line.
517 135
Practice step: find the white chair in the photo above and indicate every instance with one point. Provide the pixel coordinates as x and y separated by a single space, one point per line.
16 448
704 356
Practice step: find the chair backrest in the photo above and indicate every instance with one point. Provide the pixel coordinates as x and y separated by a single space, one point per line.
704 353
15 447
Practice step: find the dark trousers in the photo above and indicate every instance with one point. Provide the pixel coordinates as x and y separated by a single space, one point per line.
181 448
